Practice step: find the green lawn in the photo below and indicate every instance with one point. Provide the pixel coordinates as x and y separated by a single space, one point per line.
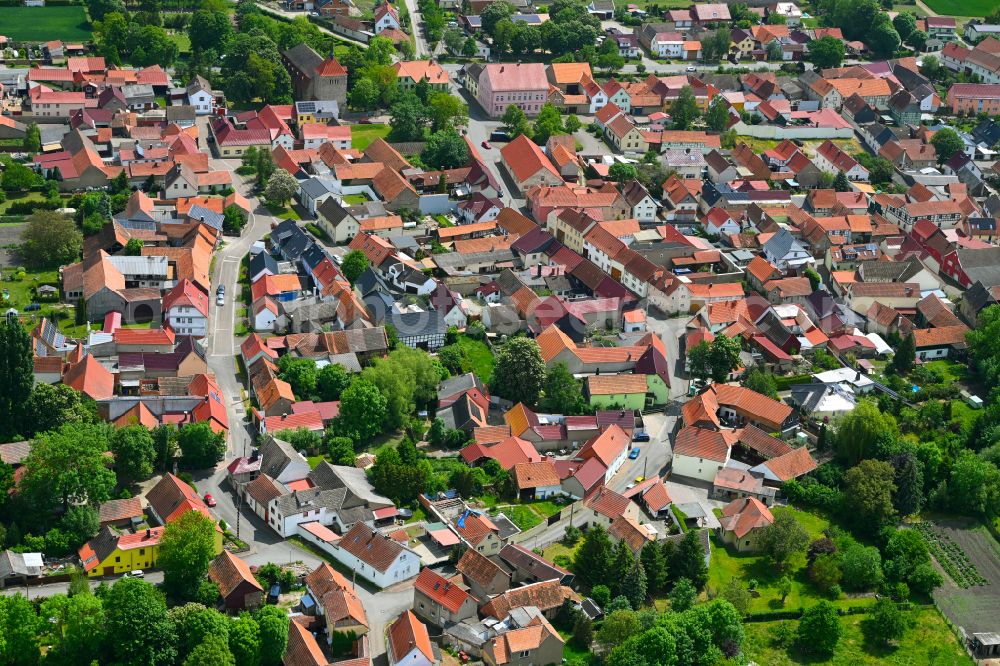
951 371
480 357
526 516
41 24
911 9
964 414
728 564
362 135
929 642
351 199
181 39
962 7
20 198
21 292
286 213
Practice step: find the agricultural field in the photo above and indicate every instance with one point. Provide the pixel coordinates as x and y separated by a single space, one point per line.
969 555
928 642
42 24
962 7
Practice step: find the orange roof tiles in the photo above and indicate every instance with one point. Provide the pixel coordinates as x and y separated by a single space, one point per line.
616 384
536 475
440 590
606 446
745 515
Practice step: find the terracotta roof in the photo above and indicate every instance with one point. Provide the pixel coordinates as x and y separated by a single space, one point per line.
625 528
117 510
761 442
228 572
440 590
696 442
744 515
525 159
945 335
606 446
478 568
371 547
536 475
546 596
616 384
302 648
509 451
330 588
171 497
762 408
477 528
421 69
508 77
407 633
263 489
90 378
792 465
608 503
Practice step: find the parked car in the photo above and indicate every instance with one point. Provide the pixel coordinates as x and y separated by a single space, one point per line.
634 453
641 437
135 573
486 145
640 479
220 299
209 500
692 68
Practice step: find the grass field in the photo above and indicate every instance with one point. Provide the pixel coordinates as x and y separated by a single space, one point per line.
479 356
928 642
20 198
526 516
362 135
41 24
962 7
911 9
728 564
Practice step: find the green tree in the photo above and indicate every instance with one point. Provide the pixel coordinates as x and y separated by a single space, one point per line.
762 382
883 40
862 567
20 627
735 593
51 405
974 485
133 248
819 629
622 173
572 124
134 452
860 429
493 14
75 628
547 123
186 548
634 584
784 588
138 629
17 177
193 622
200 446
905 356
904 23
655 567
592 562
583 633
886 622
50 239
300 373
281 187
445 149
699 360
363 410
331 381
946 142
213 650
514 121
273 624
617 628
561 393
682 595
354 264
339 449
365 95
782 540
68 465
233 220
825 571
826 52
410 118
909 481
717 117
32 138
917 40
690 561
80 523
684 110
519 372
209 30
724 356
840 182
447 111
244 640
868 493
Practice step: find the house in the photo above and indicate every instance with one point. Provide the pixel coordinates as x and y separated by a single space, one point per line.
503 84
610 391
643 206
376 557
785 251
386 18
479 532
118 512
115 552
529 566
201 96
411 72
610 448
537 480
830 158
332 597
409 644
546 596
484 577
185 309
939 342
440 601
974 98
18 568
719 222
171 497
742 521
536 643
237 586
700 453
527 164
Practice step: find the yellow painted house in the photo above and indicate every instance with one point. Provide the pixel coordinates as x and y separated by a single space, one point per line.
115 552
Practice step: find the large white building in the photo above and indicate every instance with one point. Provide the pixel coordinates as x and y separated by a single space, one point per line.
185 309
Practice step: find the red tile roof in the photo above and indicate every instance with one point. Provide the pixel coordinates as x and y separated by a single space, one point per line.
744 515
407 633
440 590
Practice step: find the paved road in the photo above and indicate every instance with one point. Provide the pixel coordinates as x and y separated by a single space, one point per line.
268 9
416 27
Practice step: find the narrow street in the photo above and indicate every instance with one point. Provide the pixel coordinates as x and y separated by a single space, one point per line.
421 49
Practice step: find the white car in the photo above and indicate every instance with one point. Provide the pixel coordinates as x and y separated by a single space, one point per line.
220 300
692 68
136 573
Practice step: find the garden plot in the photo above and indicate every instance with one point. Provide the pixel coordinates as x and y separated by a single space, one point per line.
971 552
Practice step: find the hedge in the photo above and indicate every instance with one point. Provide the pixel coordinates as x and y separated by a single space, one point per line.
785 383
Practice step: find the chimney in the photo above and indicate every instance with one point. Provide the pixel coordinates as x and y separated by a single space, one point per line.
149 532
284 415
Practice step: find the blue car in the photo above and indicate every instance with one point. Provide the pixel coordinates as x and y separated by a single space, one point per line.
634 453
